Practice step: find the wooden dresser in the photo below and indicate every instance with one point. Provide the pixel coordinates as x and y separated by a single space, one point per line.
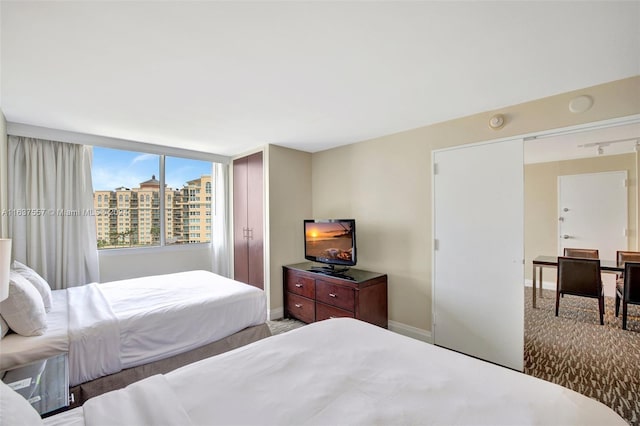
313 296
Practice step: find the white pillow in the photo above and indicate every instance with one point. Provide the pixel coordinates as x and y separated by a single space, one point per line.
4 327
15 410
23 310
38 282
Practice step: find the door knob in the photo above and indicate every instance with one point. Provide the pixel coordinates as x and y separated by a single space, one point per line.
566 237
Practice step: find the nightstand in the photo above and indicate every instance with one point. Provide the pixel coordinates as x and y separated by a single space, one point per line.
45 383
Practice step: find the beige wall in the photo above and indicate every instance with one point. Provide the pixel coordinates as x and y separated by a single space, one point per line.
541 200
289 203
385 183
4 231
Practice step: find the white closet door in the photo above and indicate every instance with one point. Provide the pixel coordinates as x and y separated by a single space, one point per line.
478 259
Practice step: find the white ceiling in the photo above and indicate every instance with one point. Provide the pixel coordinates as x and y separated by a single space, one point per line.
225 77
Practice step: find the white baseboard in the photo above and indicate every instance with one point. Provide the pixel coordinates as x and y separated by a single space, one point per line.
547 285
276 314
409 331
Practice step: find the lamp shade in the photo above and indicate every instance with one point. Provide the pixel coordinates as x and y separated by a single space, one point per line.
5 265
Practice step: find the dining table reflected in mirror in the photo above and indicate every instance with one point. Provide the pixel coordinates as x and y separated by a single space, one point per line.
545 261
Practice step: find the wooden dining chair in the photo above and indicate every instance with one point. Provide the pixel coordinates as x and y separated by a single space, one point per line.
629 290
580 277
582 253
621 258
627 256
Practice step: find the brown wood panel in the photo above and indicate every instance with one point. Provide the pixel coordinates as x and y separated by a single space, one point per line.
300 284
324 312
248 213
363 295
337 281
255 219
240 206
372 303
300 307
336 295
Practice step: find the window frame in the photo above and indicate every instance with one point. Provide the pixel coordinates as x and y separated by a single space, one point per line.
162 210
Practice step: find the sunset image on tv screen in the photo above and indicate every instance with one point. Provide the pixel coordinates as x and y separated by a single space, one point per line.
329 240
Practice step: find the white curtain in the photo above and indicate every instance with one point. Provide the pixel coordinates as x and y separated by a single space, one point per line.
51 201
220 219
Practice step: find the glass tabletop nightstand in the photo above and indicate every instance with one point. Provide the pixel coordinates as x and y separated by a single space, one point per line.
45 383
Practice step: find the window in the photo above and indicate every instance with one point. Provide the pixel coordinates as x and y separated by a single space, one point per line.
139 175
185 179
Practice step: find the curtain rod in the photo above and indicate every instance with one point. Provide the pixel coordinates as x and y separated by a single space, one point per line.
27 130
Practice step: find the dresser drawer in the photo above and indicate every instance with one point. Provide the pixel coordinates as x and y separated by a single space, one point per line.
299 284
327 311
300 307
335 295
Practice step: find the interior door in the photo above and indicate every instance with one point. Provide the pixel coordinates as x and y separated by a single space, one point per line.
248 220
240 218
593 214
255 217
478 260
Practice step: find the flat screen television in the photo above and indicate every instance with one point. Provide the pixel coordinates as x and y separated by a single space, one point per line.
331 242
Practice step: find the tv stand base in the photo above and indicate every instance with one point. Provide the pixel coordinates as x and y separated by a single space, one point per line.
328 269
312 293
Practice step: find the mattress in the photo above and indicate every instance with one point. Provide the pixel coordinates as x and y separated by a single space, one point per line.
342 371
164 315
154 317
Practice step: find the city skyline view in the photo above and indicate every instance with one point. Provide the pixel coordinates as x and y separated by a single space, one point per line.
128 200
114 168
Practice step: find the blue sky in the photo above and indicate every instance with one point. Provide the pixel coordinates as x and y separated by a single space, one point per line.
113 168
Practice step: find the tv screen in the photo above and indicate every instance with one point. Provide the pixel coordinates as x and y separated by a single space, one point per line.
330 241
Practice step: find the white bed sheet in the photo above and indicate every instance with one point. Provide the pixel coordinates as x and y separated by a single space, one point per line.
343 371
94 335
17 350
158 317
164 315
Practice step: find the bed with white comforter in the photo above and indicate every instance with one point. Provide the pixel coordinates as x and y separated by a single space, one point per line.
341 371
122 324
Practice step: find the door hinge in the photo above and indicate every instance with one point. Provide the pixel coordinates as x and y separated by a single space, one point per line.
436 244
435 168
626 183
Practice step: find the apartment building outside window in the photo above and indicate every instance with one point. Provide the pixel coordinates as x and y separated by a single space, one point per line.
127 203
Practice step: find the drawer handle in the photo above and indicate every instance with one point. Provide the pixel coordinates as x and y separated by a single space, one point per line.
332 295
299 285
297 305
